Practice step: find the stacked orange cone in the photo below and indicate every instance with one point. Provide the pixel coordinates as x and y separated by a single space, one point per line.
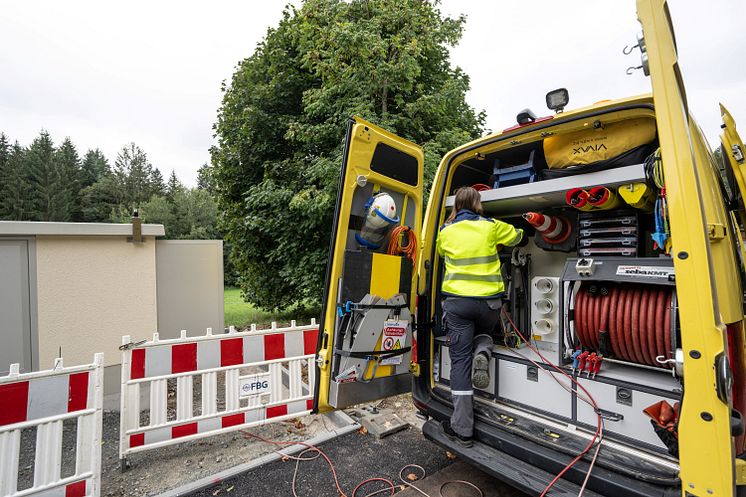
552 229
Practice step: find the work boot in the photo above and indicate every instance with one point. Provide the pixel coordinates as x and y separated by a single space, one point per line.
480 375
452 435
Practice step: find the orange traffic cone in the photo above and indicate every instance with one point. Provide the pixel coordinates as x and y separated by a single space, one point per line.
553 229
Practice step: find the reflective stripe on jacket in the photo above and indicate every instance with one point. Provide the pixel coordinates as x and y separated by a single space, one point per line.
468 245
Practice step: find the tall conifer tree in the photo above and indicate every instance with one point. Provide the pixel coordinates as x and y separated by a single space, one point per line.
48 195
15 188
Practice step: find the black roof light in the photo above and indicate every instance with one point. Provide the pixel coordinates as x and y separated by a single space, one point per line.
557 99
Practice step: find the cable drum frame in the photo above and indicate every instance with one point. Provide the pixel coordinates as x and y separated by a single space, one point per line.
605 272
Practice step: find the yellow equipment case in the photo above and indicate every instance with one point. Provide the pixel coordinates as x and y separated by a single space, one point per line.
613 143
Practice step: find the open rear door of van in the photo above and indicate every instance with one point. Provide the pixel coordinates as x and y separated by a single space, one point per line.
705 440
366 331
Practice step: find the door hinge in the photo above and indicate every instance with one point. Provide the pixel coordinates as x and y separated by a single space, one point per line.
737 152
716 231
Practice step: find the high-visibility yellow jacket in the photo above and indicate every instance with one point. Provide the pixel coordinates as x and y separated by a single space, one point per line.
469 246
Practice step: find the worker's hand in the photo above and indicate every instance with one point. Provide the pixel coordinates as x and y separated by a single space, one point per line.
499 247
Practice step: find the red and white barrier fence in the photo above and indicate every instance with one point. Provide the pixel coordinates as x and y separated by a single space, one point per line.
43 401
245 379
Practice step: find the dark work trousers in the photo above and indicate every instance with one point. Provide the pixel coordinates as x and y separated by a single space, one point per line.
465 317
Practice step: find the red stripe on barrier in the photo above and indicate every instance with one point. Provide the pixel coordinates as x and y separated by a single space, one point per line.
231 351
137 440
273 412
184 358
76 489
77 399
13 399
233 420
184 430
309 404
274 346
137 369
310 340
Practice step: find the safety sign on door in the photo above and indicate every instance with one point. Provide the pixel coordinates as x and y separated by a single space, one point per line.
393 339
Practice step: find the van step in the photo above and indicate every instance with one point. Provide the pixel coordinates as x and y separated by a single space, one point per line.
515 472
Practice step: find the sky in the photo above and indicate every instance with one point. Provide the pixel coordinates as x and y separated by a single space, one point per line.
150 72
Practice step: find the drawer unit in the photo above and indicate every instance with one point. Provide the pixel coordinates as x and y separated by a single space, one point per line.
523 384
626 402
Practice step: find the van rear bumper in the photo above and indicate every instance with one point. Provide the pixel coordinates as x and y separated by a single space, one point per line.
515 472
530 467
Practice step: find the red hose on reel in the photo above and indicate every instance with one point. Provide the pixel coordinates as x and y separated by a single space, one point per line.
637 319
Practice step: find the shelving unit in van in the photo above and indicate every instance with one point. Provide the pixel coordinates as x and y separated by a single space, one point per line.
517 199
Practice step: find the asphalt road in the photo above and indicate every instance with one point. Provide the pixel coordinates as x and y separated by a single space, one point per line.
356 457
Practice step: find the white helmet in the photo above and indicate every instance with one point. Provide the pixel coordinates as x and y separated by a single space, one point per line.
382 211
380 215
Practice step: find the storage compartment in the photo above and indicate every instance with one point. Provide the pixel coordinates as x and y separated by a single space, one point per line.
521 383
622 406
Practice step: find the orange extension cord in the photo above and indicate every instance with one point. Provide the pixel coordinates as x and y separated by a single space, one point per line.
403 242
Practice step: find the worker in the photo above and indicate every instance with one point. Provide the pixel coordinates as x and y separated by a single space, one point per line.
473 289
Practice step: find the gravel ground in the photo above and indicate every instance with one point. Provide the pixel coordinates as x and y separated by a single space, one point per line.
155 471
355 456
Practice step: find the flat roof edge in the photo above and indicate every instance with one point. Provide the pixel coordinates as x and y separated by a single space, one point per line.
27 228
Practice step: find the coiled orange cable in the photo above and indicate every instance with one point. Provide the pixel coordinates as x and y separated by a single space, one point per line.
403 242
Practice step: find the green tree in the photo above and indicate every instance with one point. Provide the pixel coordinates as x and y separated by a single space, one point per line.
173 186
15 190
204 179
93 168
49 194
158 187
4 155
191 214
136 176
281 127
102 199
67 164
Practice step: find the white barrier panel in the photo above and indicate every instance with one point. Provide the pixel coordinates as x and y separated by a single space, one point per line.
265 375
43 401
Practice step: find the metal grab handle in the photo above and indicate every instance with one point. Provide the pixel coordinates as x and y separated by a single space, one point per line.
610 416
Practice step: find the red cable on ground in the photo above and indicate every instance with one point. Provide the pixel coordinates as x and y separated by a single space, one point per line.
577 384
329 462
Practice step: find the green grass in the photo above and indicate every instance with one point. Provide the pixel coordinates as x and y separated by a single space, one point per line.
242 314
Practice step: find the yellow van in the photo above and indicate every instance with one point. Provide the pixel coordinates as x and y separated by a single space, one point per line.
621 338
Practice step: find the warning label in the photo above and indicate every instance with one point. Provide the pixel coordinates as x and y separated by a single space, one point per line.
393 339
651 272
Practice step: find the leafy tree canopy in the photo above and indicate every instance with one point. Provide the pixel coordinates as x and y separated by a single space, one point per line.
281 127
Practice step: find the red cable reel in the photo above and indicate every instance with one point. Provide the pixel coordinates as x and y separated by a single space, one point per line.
632 322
